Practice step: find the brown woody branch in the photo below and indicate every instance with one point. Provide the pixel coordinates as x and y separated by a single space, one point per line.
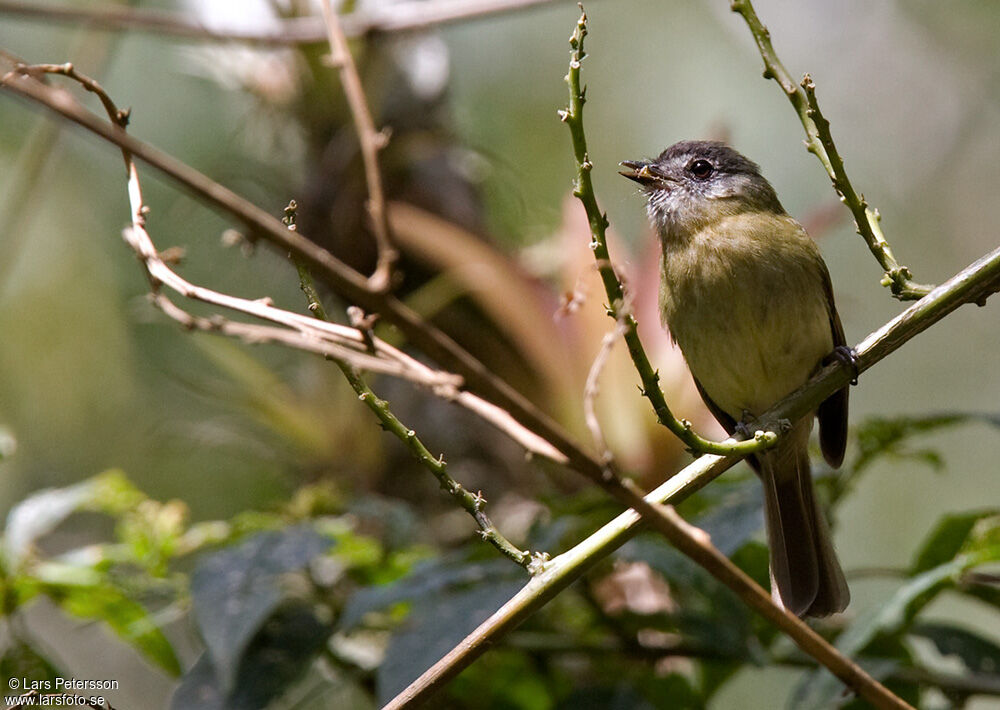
371 140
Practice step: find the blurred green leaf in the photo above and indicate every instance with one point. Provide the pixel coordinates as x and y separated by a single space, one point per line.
892 618
129 620
947 538
42 512
505 679
152 531
885 436
60 574
235 591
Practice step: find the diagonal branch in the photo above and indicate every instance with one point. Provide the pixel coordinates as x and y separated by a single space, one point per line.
971 285
371 141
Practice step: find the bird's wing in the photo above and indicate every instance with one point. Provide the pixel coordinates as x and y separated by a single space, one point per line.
832 413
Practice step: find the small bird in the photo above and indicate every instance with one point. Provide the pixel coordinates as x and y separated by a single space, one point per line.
747 297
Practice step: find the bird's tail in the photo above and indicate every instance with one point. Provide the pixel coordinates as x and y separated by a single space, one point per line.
806 577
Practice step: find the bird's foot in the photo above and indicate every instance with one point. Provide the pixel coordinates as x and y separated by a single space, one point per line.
847 356
744 428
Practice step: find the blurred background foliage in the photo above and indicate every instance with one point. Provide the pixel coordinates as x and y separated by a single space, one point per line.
258 466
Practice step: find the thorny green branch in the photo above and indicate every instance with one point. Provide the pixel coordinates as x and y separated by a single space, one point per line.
618 309
473 503
819 142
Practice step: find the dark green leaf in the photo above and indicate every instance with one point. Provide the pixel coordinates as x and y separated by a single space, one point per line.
978 653
737 519
324 687
20 660
235 591
621 697
436 623
278 656
709 617
427 579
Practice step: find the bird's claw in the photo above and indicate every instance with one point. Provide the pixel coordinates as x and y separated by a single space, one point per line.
744 428
847 356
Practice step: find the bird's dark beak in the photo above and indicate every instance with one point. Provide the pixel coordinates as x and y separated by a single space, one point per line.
642 171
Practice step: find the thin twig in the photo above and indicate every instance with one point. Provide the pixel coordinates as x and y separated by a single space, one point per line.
583 189
472 503
819 142
590 390
371 141
303 333
402 17
534 425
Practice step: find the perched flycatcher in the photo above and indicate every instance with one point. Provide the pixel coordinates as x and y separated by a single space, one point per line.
747 298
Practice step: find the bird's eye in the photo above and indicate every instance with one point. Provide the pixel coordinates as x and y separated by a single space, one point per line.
700 169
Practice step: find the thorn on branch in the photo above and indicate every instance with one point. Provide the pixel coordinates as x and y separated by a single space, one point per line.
365 323
290 213
537 563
